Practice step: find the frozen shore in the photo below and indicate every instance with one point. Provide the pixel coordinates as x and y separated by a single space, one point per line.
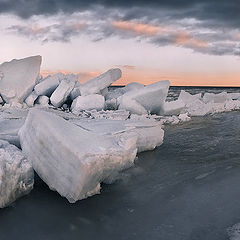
76 136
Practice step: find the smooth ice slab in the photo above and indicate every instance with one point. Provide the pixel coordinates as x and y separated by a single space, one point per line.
71 160
64 89
16 174
97 84
18 77
90 102
49 84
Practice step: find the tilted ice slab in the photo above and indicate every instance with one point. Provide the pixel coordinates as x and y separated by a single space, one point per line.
151 98
16 174
90 102
62 92
49 84
71 160
18 77
99 83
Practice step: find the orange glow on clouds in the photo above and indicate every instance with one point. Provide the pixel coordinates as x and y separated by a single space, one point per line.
138 28
185 39
180 37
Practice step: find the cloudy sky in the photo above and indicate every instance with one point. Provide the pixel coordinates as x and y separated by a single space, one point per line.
189 42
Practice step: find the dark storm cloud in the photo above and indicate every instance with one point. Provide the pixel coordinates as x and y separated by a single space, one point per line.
206 26
214 11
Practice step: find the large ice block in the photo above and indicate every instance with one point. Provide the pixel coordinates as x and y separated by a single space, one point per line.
62 92
49 84
18 78
70 159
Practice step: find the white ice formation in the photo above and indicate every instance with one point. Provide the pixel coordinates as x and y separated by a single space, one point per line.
71 160
99 83
18 78
79 135
16 174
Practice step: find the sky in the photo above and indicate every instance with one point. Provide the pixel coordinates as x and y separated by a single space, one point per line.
189 42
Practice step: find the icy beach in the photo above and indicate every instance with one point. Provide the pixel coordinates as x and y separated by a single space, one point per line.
76 138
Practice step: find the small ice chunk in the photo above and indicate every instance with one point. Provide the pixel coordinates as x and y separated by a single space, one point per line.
18 78
43 100
49 84
234 232
93 101
31 99
16 174
173 107
62 92
111 104
71 160
188 98
97 84
183 117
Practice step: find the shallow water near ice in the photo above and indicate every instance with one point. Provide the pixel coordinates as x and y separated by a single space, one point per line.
187 189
